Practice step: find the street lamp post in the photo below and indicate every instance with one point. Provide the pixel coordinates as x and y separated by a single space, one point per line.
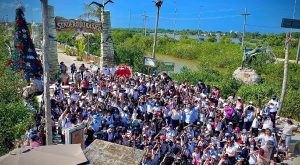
158 4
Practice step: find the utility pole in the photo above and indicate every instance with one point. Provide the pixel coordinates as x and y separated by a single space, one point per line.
145 22
298 52
158 4
198 33
129 18
46 72
285 71
175 12
245 14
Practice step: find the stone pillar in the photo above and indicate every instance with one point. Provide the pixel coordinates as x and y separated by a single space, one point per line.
107 47
52 59
36 35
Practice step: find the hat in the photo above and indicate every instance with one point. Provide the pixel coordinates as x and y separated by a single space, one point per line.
244 130
239 97
237 129
111 126
95 116
250 102
163 137
227 134
230 123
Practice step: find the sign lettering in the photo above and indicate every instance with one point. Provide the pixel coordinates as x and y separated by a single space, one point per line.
64 24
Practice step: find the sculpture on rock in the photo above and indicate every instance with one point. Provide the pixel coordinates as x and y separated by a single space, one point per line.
245 73
250 55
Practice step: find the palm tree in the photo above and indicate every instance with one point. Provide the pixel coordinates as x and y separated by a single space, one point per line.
92 12
46 72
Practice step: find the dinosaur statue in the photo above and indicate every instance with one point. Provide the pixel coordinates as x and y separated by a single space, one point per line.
250 55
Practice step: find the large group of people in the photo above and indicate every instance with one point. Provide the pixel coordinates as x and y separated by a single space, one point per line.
173 122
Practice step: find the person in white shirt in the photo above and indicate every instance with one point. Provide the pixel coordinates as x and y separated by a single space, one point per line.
95 89
105 70
176 116
287 131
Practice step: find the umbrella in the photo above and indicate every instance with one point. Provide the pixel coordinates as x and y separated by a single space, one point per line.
123 71
45 155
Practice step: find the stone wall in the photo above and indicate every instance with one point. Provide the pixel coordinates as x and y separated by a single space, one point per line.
107 48
105 153
52 58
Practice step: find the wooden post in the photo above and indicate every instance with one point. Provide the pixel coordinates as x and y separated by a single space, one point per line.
285 72
46 72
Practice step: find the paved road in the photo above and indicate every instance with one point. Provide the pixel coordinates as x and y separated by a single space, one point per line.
69 60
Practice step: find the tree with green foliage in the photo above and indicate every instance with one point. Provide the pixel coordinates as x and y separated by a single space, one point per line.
212 39
130 55
226 39
80 49
15 117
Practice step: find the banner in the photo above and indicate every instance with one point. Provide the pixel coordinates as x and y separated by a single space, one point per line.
88 26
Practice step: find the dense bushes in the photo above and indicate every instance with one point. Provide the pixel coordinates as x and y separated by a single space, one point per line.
14 116
130 55
226 83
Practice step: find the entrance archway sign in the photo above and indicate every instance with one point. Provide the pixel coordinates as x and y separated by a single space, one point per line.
62 24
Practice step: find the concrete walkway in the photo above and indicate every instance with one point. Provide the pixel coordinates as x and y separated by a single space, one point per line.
69 60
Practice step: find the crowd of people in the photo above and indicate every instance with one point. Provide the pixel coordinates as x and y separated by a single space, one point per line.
173 122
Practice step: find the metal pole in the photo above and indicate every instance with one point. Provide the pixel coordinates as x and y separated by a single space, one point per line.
46 72
298 52
155 33
145 23
174 23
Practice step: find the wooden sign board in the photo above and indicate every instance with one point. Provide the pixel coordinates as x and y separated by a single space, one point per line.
75 135
290 23
150 62
67 24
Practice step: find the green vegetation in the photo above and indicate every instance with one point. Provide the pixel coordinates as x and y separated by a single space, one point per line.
15 117
80 49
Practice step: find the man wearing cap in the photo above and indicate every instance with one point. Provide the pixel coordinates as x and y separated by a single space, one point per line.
265 152
249 114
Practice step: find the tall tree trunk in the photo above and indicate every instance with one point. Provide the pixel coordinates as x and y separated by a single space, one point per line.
46 72
285 72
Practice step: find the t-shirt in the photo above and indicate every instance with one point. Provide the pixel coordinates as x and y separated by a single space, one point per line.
230 150
288 129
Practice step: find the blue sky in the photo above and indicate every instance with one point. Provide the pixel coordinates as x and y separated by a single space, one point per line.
223 15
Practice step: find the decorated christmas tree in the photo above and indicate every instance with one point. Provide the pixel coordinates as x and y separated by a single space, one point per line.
24 57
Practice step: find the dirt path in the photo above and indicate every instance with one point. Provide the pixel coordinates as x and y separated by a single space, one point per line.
282 60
